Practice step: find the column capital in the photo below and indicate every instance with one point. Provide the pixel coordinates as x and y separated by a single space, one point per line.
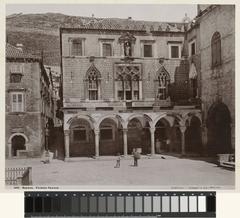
152 129
96 131
182 129
125 130
66 132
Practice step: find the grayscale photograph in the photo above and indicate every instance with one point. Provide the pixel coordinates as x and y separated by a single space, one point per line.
120 95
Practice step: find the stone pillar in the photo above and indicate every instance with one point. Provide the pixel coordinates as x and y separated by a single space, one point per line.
10 150
125 146
204 137
152 131
140 90
183 129
67 142
233 137
96 132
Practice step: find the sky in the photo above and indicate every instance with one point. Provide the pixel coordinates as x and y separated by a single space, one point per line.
148 12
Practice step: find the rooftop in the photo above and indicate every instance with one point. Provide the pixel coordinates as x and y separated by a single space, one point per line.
123 24
14 52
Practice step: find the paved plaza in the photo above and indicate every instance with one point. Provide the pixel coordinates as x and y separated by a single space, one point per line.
155 172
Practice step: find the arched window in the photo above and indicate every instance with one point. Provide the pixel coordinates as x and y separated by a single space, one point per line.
163 80
93 79
216 49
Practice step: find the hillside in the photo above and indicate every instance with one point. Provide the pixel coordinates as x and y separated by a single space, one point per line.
40 32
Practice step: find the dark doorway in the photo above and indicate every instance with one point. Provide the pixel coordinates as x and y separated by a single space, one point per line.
135 135
108 144
162 136
193 136
18 143
81 139
219 129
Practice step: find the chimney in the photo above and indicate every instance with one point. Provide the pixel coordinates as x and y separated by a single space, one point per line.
19 46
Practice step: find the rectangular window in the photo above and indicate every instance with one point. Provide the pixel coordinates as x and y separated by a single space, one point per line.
77 48
16 68
147 50
175 51
106 133
79 135
15 77
106 49
17 102
93 90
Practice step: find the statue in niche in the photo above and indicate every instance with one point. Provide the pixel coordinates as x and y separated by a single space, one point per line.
127 49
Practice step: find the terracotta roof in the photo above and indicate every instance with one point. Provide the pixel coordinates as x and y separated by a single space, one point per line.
14 52
124 24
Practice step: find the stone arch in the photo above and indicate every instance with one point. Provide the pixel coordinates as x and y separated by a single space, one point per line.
110 137
219 128
14 145
113 117
136 134
162 135
135 116
87 118
81 137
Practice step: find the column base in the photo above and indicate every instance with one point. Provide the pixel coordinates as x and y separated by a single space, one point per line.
67 159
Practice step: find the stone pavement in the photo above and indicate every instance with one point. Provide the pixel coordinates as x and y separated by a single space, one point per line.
155 172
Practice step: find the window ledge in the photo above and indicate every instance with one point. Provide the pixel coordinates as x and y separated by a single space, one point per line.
17 113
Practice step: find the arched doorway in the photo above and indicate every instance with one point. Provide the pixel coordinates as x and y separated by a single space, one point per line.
109 135
193 136
176 137
135 136
18 143
81 139
162 136
219 129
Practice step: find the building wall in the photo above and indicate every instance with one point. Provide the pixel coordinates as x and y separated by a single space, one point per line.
27 122
75 68
218 84
93 38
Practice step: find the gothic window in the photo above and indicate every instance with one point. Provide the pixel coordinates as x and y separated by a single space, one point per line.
216 49
163 80
128 79
93 79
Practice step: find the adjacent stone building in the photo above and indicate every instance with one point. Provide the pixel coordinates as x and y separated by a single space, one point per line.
125 86
216 39
28 104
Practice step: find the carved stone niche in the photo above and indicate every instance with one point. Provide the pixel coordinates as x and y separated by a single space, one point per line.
127 40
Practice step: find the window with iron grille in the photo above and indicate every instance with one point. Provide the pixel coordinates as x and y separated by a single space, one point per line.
106 49
77 47
147 50
175 51
15 77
